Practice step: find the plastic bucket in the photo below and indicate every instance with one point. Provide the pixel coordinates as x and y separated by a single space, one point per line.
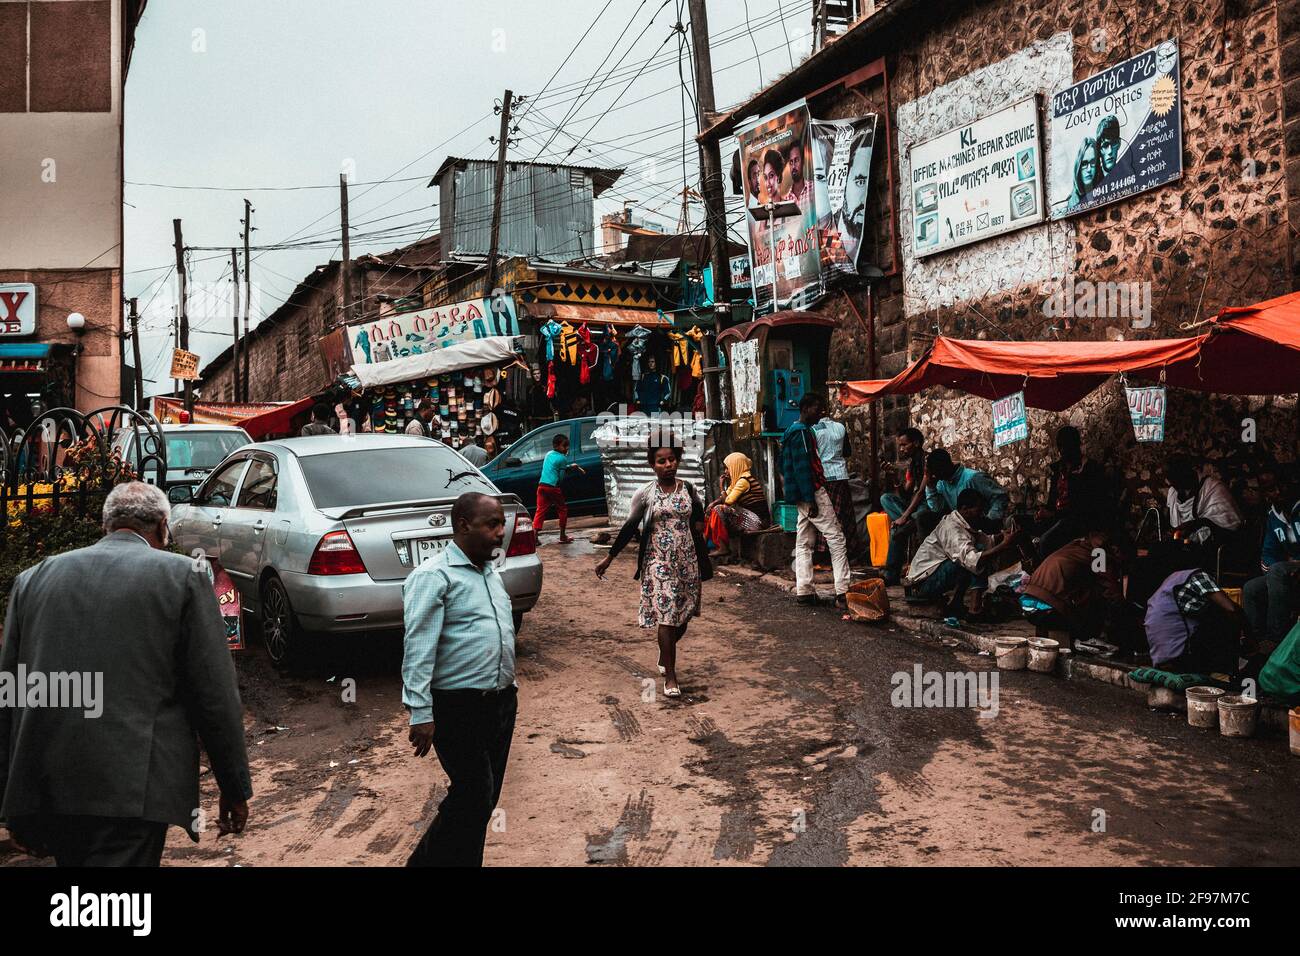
1163 698
1237 716
1203 706
1042 654
1294 720
1012 653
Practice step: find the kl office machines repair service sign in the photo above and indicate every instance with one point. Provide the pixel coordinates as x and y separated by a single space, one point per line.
978 180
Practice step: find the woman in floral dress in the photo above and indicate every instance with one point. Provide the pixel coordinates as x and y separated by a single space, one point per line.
672 563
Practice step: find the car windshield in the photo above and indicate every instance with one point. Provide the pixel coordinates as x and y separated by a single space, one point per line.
201 449
352 479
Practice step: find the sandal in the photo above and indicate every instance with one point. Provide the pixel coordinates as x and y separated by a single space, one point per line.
672 691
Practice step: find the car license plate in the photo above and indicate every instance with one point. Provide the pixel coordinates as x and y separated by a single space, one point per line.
426 548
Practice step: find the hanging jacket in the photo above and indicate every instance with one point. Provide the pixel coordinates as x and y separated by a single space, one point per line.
550 332
696 336
608 354
568 344
588 354
636 346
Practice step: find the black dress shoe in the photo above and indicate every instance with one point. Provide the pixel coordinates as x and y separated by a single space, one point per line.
806 599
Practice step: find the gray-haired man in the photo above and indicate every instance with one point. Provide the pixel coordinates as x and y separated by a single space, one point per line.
133 637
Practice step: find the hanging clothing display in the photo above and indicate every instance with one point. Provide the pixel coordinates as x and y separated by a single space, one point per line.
550 332
588 354
636 346
608 354
568 344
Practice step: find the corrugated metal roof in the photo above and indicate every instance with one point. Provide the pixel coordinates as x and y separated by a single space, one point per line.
602 177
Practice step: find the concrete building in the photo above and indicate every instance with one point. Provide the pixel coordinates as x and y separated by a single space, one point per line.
61 125
1221 233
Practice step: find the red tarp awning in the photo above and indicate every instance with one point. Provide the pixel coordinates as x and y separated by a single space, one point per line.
278 421
1053 375
1246 350
1250 350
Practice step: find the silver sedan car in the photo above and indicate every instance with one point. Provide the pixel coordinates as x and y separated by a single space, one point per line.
319 533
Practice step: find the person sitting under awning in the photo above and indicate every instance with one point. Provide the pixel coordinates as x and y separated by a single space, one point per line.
1076 494
946 480
1078 586
1192 626
956 557
1272 600
1201 508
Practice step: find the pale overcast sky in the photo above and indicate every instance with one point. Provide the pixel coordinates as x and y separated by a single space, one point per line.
261 93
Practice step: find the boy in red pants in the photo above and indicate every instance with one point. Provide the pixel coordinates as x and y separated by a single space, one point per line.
549 495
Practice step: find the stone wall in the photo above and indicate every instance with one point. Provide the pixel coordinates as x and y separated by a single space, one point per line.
1219 236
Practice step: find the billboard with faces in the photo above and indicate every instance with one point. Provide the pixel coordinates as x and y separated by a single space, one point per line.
1117 133
841 174
776 168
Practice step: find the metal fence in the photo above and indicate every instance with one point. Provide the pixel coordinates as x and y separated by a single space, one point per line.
65 463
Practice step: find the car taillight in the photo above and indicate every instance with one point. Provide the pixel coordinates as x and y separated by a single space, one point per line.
523 540
336 554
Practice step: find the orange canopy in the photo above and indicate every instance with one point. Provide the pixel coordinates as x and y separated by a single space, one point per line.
1248 350
1053 375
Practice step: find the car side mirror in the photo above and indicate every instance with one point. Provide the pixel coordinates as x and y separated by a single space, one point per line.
512 463
180 494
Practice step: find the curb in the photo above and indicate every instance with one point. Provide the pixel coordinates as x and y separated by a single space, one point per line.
1271 714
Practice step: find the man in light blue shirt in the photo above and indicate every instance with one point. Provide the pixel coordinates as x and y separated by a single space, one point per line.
948 480
458 678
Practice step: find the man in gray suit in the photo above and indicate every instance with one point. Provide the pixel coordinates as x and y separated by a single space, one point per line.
131 637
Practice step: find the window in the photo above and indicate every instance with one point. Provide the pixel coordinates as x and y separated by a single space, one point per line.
279 355
304 339
219 490
259 487
586 444
353 479
537 445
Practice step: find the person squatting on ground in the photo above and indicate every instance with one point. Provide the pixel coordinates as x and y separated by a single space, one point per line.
672 560
956 557
101 789
458 678
805 488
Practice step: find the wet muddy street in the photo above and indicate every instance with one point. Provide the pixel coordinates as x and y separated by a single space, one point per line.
785 749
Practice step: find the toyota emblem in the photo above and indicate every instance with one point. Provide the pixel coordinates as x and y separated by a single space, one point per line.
438 520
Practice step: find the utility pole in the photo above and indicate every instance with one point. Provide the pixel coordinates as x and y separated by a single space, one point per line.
234 317
248 295
715 213
134 318
176 343
502 142
184 328
347 251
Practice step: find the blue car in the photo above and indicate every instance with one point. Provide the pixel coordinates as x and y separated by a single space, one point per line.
517 469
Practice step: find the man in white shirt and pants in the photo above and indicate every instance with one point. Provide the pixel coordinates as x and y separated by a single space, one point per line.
956 557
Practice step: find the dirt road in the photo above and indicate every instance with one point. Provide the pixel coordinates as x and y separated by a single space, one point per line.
785 749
